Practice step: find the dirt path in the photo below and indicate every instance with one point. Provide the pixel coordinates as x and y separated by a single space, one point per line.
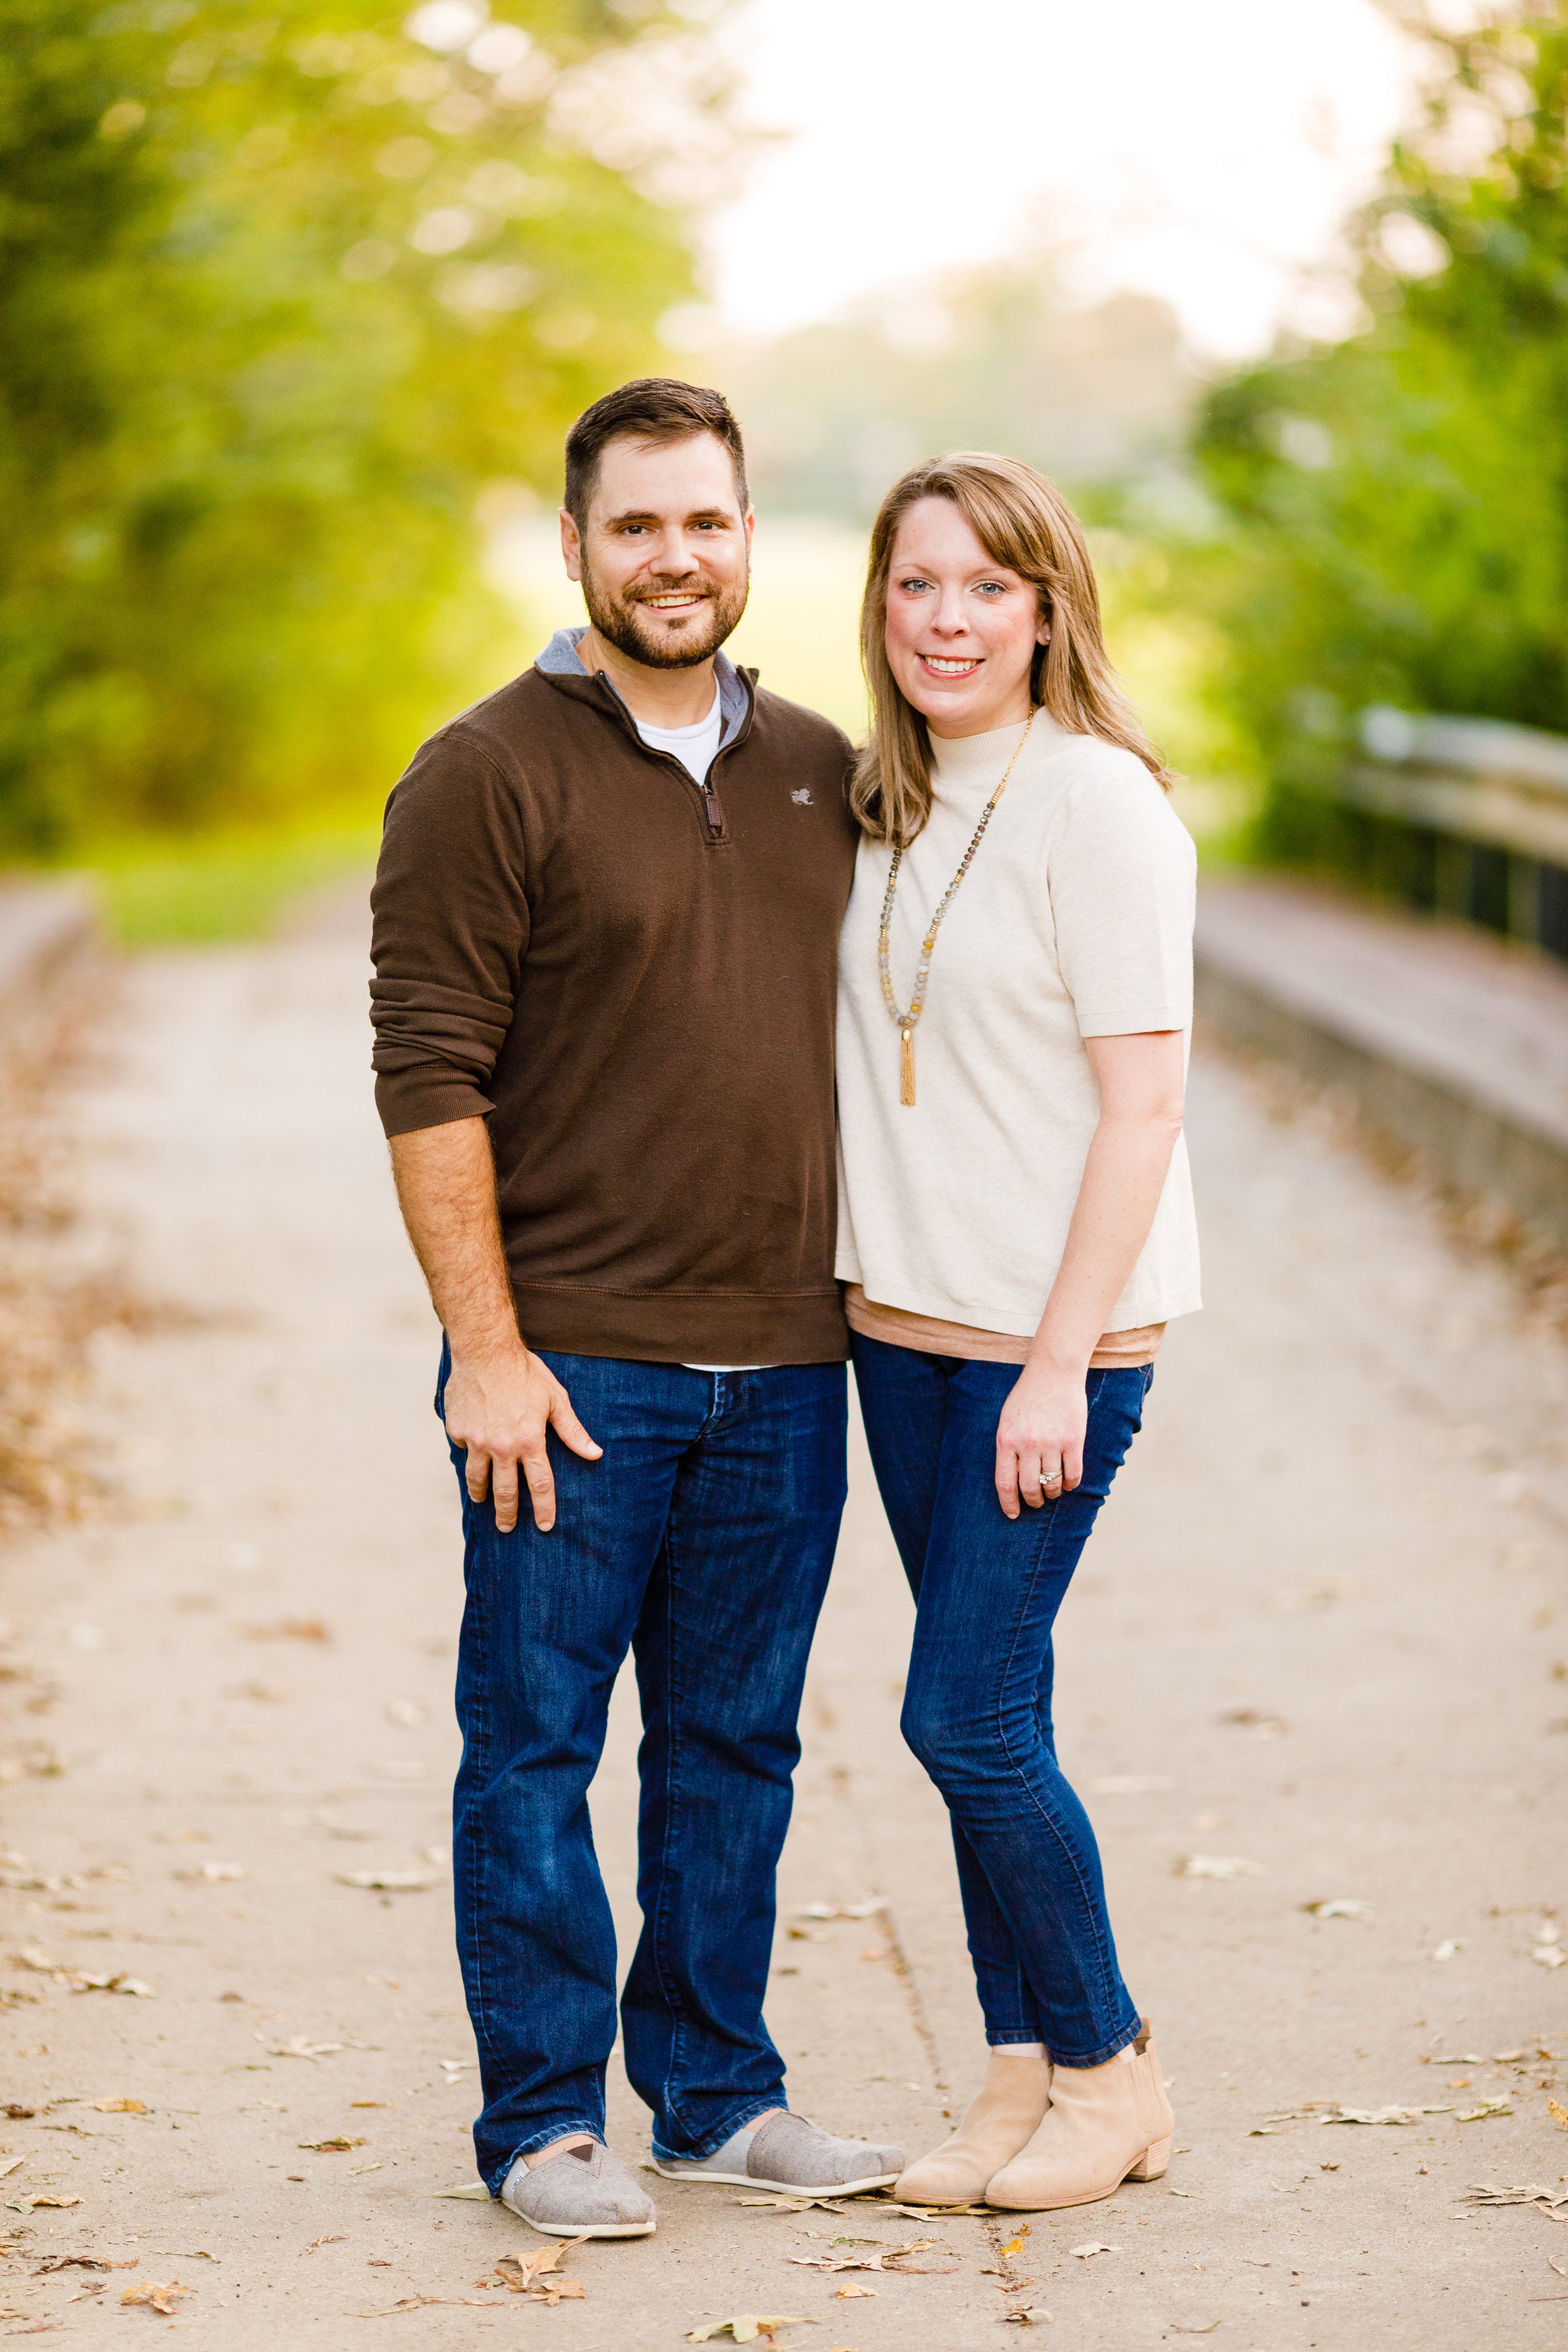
1313 1643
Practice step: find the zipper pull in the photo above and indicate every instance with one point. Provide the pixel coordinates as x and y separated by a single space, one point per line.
715 811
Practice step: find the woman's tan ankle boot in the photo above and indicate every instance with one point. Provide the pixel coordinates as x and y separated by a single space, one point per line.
1106 2125
999 2122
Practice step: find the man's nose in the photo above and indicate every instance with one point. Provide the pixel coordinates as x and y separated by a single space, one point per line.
676 557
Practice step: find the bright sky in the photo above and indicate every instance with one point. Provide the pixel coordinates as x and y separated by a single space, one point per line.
1203 150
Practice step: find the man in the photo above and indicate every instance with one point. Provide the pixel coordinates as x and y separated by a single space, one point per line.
606 924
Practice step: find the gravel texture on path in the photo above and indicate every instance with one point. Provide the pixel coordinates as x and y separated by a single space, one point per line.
1312 1683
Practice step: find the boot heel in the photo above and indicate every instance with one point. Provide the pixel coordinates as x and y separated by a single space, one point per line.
1152 2163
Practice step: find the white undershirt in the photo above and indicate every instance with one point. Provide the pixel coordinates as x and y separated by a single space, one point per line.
695 748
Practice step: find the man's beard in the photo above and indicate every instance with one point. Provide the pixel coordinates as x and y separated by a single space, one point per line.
622 624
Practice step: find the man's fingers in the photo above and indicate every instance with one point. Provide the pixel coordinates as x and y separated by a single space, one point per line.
535 1467
570 1430
477 1474
503 1484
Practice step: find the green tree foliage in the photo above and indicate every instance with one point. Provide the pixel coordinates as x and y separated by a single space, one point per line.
282 284
1396 505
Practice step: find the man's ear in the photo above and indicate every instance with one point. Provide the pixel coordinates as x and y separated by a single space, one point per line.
570 546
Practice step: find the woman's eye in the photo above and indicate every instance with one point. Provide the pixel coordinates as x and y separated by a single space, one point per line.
993 588
913 585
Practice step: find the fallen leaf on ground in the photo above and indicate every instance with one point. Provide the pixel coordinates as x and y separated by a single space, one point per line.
924 2212
527 2273
1191 2328
1093 2247
1549 1956
330 2146
1381 2115
121 2106
474 2189
1486 2107
805 2205
70 2263
387 1881
31 1957
300 2048
450 2067
843 1910
339 2240
290 1629
1253 1718
218 1873
745 2327
1486 2192
1449 1949
137 1987
881 2260
56 2204
1338 1907
1015 2245
1215 1865
357 2168
845 2293
15 2165
151 2291
417 2302
1559 2115
16 2113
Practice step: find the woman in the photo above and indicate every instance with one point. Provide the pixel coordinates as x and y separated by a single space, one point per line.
1015 1230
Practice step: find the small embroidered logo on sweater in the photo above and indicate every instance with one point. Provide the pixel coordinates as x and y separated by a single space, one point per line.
803 800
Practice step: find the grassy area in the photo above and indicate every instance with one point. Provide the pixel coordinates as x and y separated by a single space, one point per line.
234 885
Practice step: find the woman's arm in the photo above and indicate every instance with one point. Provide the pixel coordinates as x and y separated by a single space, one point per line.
1042 1424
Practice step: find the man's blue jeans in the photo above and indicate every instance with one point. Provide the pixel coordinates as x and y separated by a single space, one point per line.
702 1541
977 1705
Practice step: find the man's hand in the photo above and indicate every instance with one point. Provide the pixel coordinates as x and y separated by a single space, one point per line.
499 1408
1039 1438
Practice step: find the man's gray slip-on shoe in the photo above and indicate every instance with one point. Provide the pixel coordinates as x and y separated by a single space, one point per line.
583 2193
795 2157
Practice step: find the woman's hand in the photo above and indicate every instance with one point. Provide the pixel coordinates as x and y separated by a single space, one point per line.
1039 1438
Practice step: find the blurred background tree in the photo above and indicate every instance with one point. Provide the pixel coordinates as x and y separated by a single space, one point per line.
285 289
1394 507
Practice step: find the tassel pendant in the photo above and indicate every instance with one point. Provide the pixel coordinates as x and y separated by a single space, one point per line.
907 1064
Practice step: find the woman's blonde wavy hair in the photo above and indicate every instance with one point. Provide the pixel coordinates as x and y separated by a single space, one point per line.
1024 522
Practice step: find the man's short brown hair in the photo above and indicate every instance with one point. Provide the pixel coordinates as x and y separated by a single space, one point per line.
653 408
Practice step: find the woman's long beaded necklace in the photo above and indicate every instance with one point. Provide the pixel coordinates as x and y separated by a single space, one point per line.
906 1022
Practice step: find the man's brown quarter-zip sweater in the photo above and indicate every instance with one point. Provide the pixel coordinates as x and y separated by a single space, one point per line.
632 976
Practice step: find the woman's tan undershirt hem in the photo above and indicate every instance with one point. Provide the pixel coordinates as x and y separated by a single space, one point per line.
899 1328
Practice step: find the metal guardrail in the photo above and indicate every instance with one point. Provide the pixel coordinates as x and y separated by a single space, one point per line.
1486 804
